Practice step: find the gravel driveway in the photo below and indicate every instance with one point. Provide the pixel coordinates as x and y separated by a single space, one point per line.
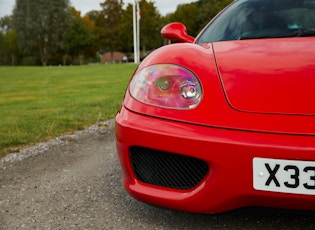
74 182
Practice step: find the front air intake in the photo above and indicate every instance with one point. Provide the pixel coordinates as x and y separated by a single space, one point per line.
167 169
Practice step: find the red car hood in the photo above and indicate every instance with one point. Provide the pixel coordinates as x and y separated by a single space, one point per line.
269 75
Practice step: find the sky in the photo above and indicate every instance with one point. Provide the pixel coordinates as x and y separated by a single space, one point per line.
163 6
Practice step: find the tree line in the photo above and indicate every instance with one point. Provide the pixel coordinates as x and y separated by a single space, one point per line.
44 32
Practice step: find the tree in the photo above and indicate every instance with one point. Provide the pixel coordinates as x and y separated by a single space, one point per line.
126 28
150 26
93 15
76 38
108 26
6 24
187 14
40 26
196 15
9 49
1 48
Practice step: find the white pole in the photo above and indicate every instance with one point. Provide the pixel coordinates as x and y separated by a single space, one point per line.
135 44
138 31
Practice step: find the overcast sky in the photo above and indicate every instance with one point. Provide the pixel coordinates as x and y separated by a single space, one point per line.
163 6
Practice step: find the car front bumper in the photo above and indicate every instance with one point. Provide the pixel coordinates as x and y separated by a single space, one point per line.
229 154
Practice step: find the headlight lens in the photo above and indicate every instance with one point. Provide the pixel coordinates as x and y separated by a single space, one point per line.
168 86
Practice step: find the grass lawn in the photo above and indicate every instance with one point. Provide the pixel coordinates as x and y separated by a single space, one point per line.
40 103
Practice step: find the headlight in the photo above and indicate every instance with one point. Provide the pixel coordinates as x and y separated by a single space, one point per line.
168 86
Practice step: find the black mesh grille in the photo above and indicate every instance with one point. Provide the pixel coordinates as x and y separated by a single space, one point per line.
167 169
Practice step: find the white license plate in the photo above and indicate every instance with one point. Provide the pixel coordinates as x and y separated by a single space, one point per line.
286 176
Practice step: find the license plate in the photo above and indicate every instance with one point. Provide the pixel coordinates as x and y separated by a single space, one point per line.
286 176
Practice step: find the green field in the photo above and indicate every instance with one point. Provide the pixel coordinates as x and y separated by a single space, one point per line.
40 103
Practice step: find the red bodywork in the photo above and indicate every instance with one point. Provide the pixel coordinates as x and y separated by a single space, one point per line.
258 101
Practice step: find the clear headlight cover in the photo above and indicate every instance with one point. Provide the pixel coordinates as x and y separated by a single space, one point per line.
167 86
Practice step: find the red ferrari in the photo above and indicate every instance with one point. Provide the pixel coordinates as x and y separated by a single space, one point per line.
227 119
